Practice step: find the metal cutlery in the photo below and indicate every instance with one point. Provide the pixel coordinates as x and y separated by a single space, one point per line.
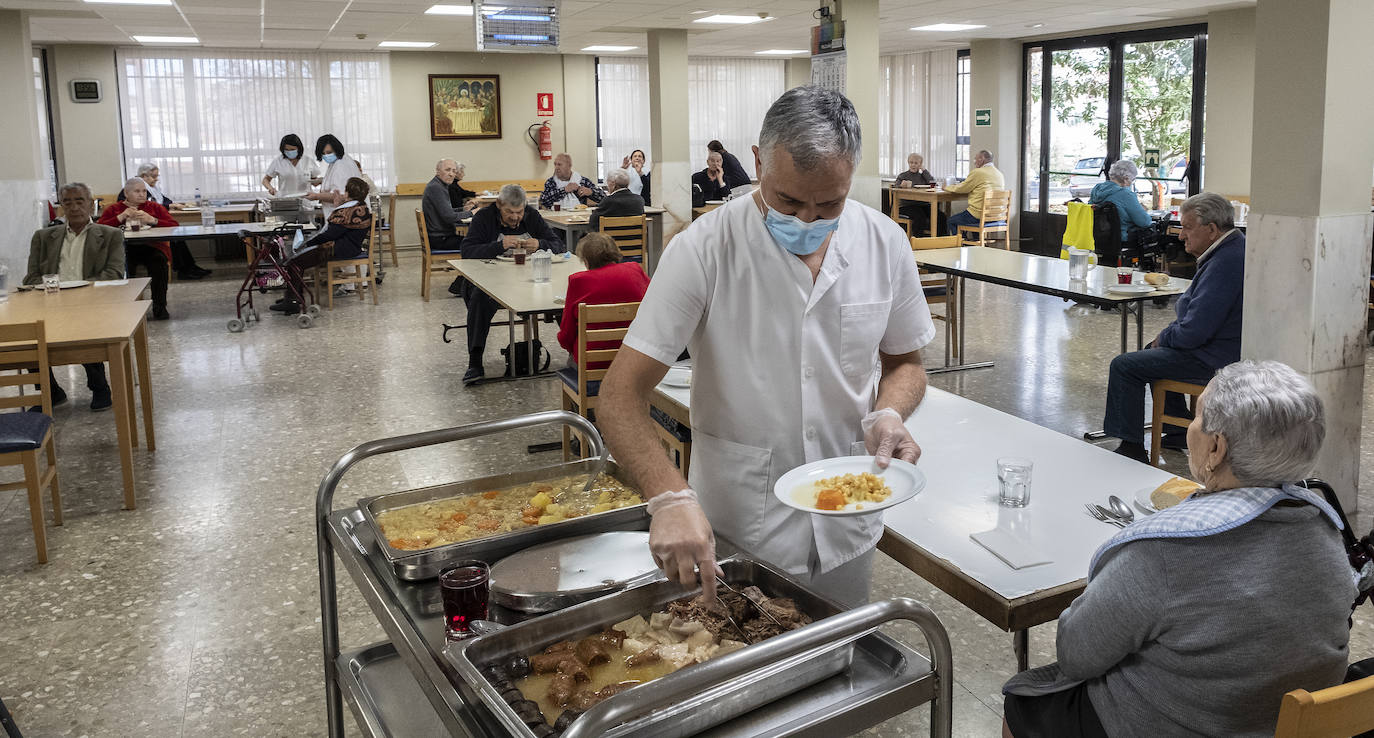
1123 512
1100 514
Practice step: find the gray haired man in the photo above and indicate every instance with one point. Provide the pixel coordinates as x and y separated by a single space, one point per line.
804 316
620 202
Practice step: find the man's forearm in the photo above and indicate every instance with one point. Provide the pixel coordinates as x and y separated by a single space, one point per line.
629 431
903 384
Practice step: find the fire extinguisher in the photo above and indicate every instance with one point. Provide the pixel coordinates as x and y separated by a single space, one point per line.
545 140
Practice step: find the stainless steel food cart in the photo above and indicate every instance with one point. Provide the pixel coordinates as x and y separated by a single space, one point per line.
406 686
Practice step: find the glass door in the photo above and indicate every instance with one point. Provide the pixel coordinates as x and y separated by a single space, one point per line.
1157 117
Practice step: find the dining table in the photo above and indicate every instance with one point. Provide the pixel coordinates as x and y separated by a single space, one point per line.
512 286
937 198
231 213
575 223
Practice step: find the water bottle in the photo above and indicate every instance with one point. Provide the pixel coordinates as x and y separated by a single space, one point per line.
199 200
541 264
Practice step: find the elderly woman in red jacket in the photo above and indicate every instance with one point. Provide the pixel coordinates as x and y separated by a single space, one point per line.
137 211
607 281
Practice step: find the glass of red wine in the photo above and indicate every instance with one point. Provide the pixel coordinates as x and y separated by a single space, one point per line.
465 587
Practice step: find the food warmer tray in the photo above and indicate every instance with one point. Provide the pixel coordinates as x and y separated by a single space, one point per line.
384 698
428 563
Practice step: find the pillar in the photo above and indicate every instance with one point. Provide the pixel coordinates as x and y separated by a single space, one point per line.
22 181
1230 101
995 84
668 116
797 72
89 148
1308 252
861 87
578 110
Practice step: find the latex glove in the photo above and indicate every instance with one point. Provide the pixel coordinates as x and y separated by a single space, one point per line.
681 540
886 436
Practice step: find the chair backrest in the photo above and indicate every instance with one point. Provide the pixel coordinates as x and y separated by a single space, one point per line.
391 212
618 314
996 206
920 243
1345 709
424 233
25 346
1238 198
628 233
371 236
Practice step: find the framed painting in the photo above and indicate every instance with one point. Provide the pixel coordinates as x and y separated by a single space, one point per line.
464 106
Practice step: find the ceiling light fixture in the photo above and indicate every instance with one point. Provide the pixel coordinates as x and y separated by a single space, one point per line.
949 27
449 10
167 39
130 2
504 16
406 44
609 48
523 37
734 19
782 52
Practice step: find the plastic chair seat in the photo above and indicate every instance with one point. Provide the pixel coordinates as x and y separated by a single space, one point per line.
23 431
568 375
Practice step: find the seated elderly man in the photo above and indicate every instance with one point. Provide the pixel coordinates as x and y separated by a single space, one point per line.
916 175
1197 619
620 202
709 183
983 179
1202 339
1117 191
78 249
568 188
441 219
137 209
505 225
463 199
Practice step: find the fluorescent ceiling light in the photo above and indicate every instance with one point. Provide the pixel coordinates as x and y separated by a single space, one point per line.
530 18
519 37
131 2
948 27
733 19
609 48
406 44
167 39
449 10
782 52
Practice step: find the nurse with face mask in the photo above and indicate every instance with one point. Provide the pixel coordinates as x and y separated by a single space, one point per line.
339 168
804 316
293 170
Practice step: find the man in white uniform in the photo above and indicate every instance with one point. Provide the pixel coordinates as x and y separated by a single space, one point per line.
805 317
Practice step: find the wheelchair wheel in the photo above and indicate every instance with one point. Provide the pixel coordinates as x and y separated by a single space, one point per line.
235 325
313 311
304 320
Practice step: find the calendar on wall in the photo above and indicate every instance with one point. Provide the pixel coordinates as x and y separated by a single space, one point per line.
828 71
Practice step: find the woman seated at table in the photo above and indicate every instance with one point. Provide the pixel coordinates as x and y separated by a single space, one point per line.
182 261
464 200
916 175
609 280
343 238
1117 191
1196 620
137 211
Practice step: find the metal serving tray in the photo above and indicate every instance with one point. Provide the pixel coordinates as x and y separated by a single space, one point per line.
428 563
686 711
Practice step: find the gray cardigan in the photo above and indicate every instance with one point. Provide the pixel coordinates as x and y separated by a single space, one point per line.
1203 636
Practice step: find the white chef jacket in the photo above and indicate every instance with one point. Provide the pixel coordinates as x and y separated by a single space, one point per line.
335 177
783 369
294 180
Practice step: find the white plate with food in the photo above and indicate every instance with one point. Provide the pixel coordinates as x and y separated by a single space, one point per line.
848 485
1172 492
1131 289
505 258
715 202
67 285
678 376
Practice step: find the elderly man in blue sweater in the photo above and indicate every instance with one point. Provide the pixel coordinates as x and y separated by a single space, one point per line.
1202 339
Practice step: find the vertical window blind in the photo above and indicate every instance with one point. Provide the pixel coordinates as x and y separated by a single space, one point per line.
213 119
917 111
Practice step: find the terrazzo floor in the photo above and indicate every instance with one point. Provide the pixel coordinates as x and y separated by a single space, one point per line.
197 613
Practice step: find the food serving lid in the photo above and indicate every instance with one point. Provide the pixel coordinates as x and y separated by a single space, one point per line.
562 573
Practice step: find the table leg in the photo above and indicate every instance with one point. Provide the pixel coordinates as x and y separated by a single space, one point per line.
1020 644
959 287
1125 315
531 329
145 381
934 221
118 382
1140 325
951 316
129 396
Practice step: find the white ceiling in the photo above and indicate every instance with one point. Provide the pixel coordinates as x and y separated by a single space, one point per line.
335 24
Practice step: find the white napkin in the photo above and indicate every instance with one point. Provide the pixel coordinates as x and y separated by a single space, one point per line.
1011 548
110 282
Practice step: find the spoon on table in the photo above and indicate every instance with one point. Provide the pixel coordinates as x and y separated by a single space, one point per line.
1121 509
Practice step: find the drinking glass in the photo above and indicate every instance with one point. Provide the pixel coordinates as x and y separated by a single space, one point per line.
519 257
465 588
52 284
1014 481
1123 275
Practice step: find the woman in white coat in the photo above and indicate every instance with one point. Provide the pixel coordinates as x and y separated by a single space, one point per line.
339 168
294 170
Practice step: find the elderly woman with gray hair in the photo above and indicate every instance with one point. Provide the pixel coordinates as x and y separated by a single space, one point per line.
1197 619
1117 191
1202 339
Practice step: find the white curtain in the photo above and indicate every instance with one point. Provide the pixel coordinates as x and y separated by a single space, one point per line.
727 99
213 119
916 111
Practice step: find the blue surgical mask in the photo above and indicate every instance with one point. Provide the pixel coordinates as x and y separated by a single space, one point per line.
292 153
794 235
330 158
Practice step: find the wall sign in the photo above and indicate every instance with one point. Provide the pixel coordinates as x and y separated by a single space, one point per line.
85 90
982 117
1151 158
544 104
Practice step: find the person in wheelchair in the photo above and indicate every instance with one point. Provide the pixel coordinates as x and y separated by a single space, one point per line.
1135 224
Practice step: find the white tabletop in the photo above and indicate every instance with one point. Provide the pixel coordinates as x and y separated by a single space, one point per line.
514 286
242 207
195 231
1035 273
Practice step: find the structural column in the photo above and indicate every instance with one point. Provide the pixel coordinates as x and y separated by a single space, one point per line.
861 87
668 116
22 181
995 85
1308 253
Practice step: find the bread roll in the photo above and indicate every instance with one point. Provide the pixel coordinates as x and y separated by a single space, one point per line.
1172 492
1156 278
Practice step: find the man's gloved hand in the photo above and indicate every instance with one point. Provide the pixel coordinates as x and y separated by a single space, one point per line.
886 436
681 540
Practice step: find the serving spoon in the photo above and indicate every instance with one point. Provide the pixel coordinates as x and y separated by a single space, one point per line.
1122 510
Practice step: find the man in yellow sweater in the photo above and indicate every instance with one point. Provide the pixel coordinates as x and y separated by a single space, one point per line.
983 179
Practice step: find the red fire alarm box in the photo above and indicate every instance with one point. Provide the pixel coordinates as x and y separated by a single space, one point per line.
544 102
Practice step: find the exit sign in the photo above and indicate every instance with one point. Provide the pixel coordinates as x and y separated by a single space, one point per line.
982 117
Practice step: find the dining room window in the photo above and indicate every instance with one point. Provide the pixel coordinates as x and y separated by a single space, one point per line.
918 111
963 77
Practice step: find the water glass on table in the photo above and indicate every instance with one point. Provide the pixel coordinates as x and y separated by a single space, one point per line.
1124 275
1014 481
52 284
465 588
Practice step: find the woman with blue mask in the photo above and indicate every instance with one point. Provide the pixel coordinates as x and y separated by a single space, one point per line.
804 316
339 168
293 171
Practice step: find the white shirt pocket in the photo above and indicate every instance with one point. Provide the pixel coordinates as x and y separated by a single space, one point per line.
861 329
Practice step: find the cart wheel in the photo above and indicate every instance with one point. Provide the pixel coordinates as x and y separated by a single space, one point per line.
235 325
313 311
304 320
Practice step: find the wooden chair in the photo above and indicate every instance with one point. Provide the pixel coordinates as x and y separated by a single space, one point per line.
23 434
628 233
933 285
996 210
429 258
581 385
677 441
1238 198
1158 388
363 274
1342 710
388 232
